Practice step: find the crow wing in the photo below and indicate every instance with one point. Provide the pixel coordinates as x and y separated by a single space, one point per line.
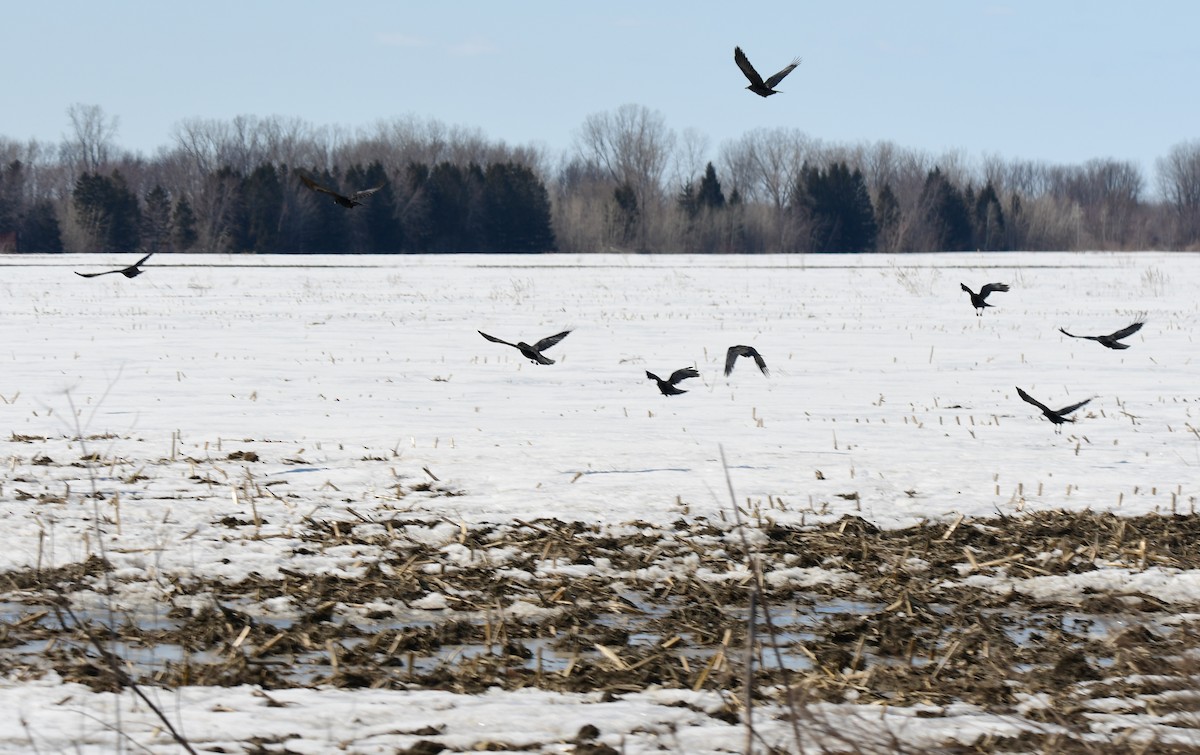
990 287
731 357
1127 331
93 275
493 339
549 341
762 363
1072 335
654 377
684 374
743 63
1068 409
365 193
142 261
316 186
1031 400
964 288
771 82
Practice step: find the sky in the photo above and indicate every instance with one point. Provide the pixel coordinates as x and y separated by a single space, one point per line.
1060 82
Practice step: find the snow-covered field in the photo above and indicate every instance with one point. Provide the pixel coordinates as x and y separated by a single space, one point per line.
362 388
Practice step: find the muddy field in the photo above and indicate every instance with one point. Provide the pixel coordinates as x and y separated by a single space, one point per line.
846 612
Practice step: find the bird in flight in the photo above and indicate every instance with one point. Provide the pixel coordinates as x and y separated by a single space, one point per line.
533 352
347 202
977 300
132 271
757 85
1111 340
731 357
668 386
1057 416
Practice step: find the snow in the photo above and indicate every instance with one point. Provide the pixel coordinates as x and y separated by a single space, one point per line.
349 374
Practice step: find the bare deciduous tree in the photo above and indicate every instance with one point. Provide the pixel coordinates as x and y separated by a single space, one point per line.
1179 184
90 145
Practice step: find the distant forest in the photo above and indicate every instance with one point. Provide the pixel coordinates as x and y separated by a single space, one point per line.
629 183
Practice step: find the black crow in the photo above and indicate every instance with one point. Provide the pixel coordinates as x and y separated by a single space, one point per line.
344 201
132 271
533 352
668 386
757 85
1056 416
731 357
1111 339
977 300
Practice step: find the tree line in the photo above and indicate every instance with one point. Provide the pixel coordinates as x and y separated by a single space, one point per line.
628 183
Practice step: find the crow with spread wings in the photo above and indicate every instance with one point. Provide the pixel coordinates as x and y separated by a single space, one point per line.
668 386
757 85
1112 339
534 352
1057 416
132 271
978 299
345 201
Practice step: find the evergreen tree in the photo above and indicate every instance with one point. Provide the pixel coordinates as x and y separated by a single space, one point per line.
453 193
417 225
183 226
156 220
887 218
624 216
837 206
380 231
946 214
262 209
39 230
687 201
710 196
11 190
109 211
326 225
516 210
989 219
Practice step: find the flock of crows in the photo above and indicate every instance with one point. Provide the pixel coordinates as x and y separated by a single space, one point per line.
534 354
669 386
1111 341
978 301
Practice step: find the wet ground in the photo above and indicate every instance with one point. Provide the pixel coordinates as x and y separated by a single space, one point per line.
934 615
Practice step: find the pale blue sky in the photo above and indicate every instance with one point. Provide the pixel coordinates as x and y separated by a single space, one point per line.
1036 79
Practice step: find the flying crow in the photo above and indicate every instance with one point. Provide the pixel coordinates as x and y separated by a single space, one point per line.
757 85
132 271
533 352
977 300
344 201
731 357
668 386
1111 340
1056 416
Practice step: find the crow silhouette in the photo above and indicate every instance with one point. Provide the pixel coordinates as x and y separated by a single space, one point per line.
977 300
1111 340
757 85
132 271
668 386
534 352
1057 416
731 357
345 201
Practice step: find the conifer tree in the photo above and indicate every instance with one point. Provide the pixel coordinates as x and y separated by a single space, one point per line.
183 225
156 220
